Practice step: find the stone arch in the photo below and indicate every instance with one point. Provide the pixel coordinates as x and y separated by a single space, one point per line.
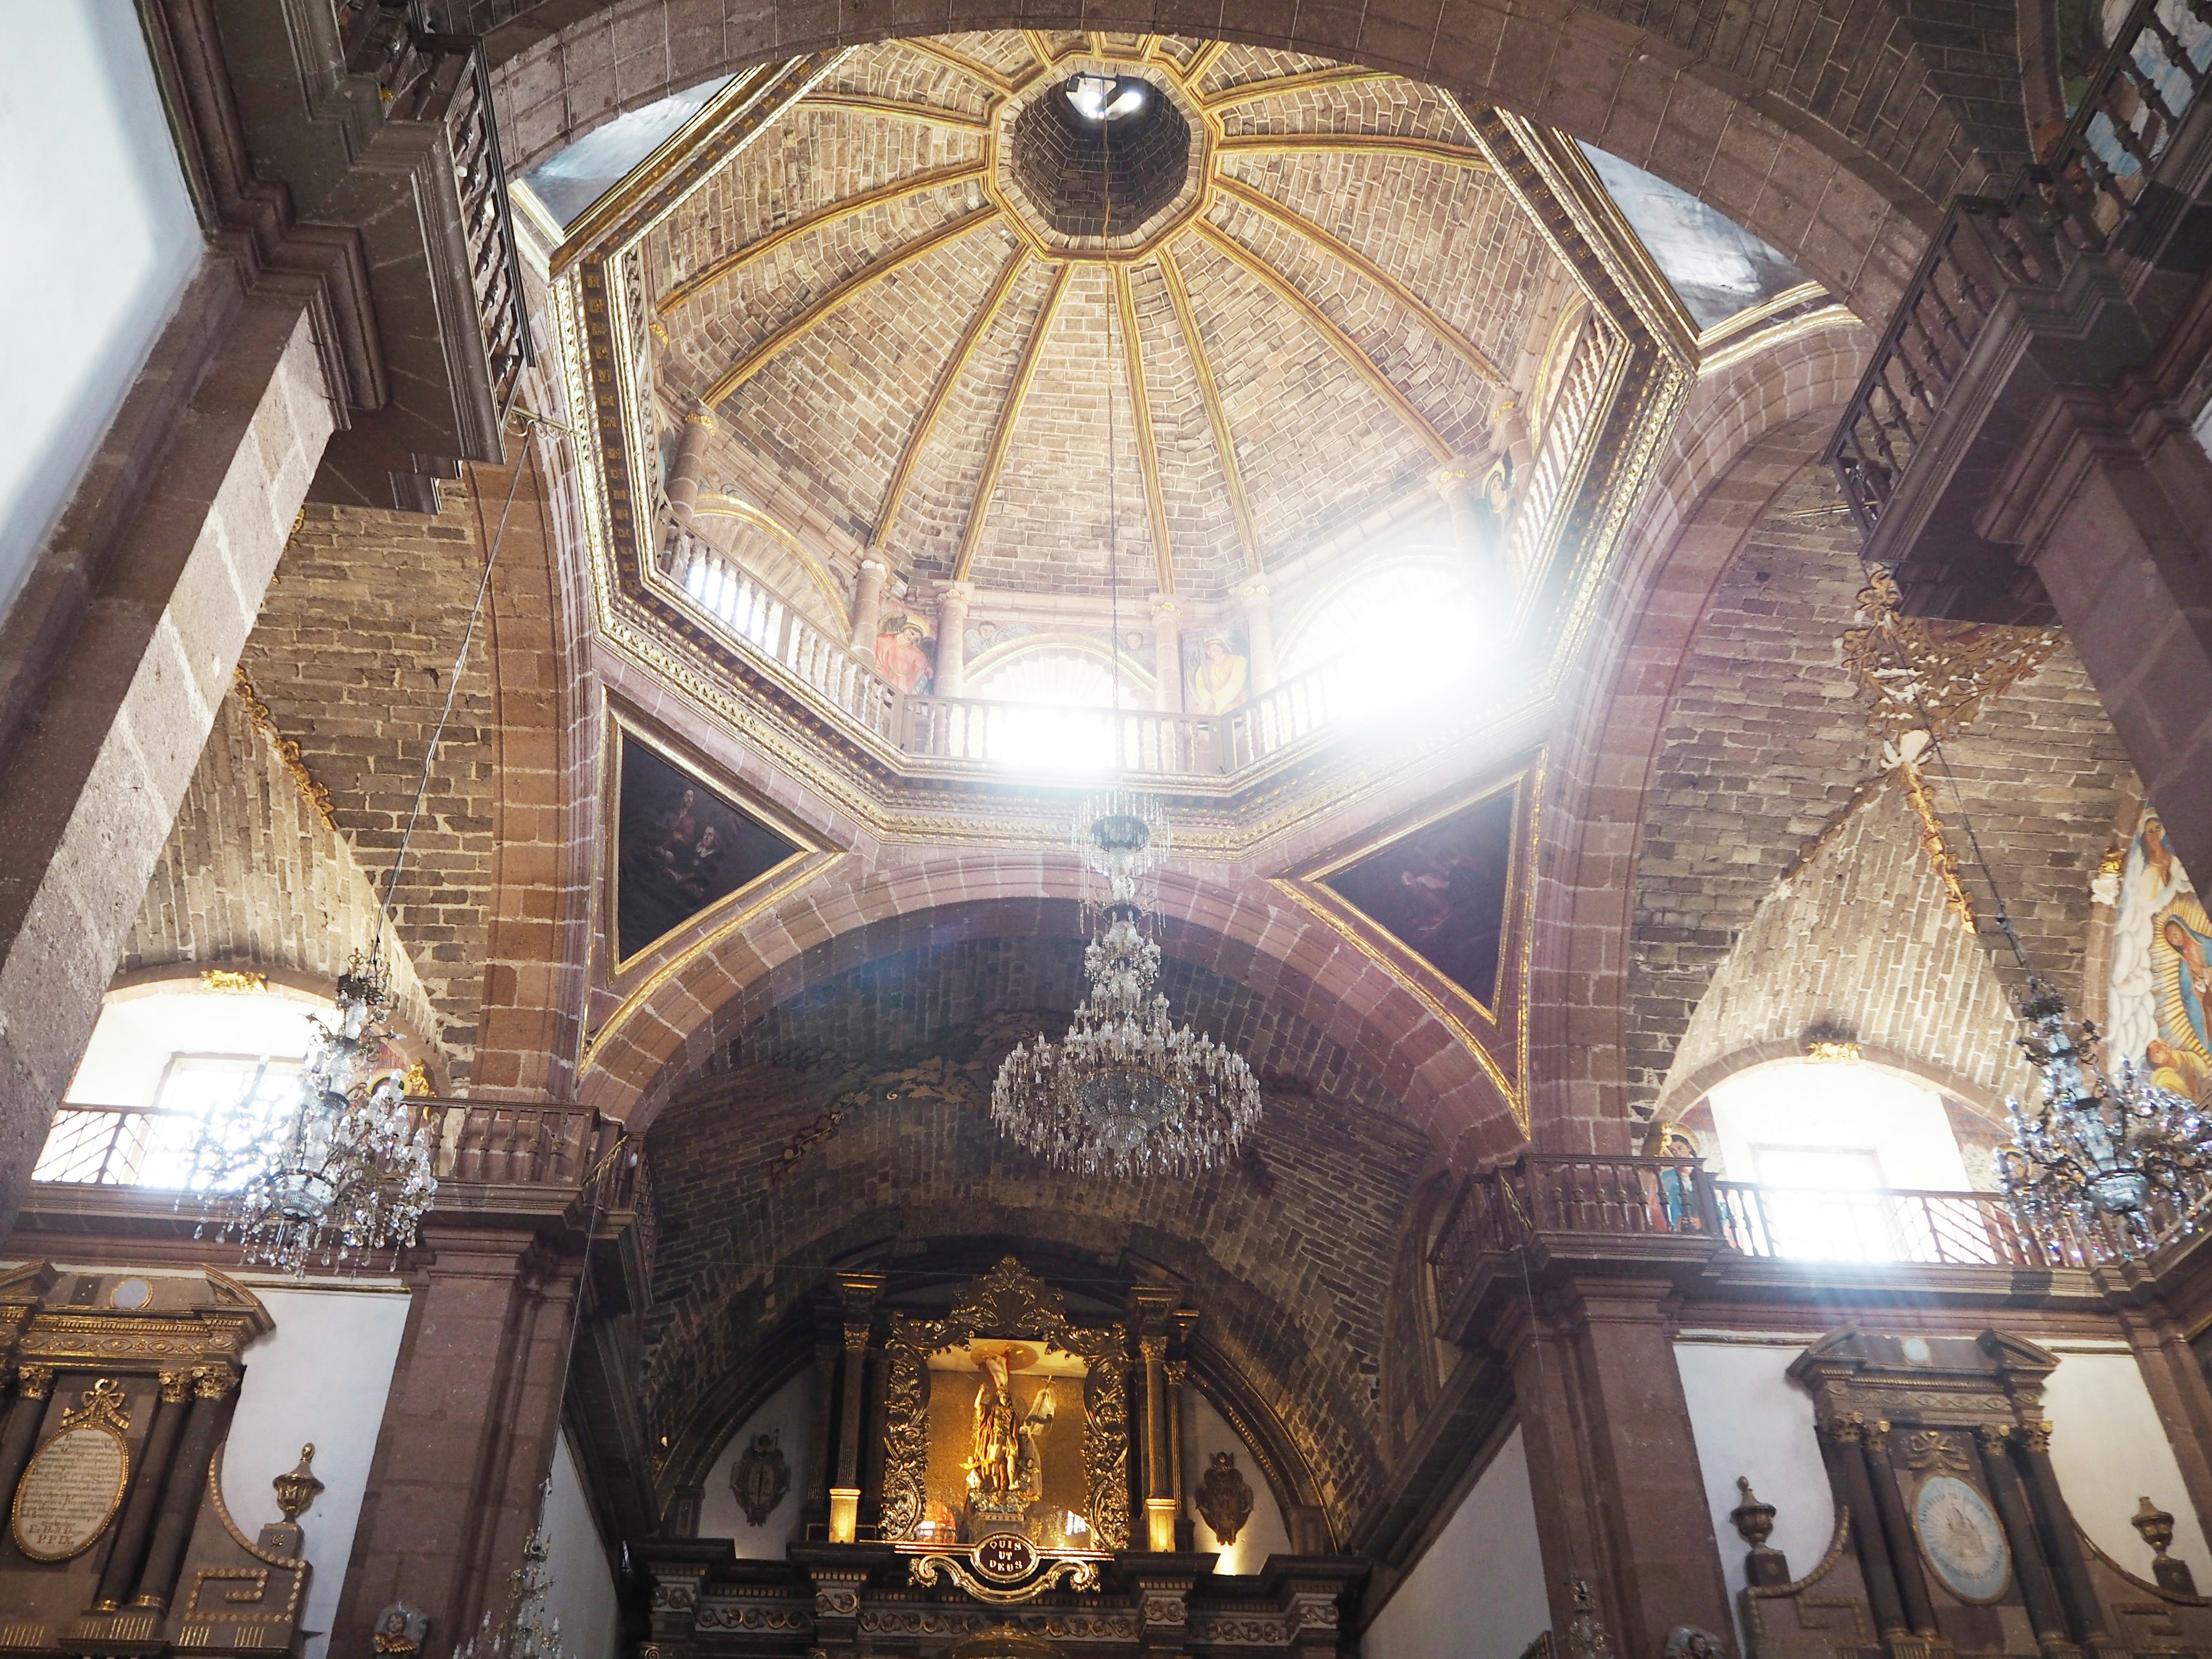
1246 932
1747 433
1843 161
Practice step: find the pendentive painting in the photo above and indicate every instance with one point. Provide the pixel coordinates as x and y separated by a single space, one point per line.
1441 891
681 847
2155 1011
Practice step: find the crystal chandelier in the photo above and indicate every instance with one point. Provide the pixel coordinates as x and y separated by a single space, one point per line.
340 1174
2117 1158
1127 1092
524 1629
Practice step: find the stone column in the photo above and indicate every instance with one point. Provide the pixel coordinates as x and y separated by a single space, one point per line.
1897 1526
828 1349
1474 526
868 605
2071 1568
952 639
1844 1435
1178 1472
1167 653
2180 1392
470 1424
181 1493
120 1576
2112 505
1612 1464
2044 1611
690 455
859 1292
1259 633
32 1384
1159 1488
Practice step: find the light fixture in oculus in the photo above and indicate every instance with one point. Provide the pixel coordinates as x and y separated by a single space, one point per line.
1107 97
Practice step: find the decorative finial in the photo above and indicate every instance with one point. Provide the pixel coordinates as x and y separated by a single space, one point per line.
1753 1519
299 1488
2155 1525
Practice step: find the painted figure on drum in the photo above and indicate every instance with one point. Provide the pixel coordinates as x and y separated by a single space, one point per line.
1004 1468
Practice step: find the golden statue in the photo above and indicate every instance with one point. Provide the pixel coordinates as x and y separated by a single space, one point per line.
1004 1468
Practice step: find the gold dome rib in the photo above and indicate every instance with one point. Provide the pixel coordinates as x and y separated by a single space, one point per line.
979 510
1251 92
1040 48
1217 417
758 358
968 66
901 109
1148 453
1299 225
1201 64
914 184
1352 143
1345 347
962 354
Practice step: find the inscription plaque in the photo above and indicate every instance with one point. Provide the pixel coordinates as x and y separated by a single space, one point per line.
70 1491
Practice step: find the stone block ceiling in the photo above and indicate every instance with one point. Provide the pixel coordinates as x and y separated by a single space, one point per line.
901 352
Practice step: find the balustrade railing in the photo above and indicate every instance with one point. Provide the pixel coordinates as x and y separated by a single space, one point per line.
1499 1210
2075 202
109 1146
1569 424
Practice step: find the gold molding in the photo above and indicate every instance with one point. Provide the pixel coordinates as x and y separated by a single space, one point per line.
1353 143
914 184
1140 405
956 369
288 751
900 109
1278 86
1217 415
1010 413
1434 320
982 73
1040 48
851 289
1344 346
1202 63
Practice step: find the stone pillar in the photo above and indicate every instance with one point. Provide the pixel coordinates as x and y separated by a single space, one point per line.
120 1576
1897 1526
470 1424
1178 1372
2071 1568
952 639
1259 633
1159 1490
859 1292
1612 1464
868 605
1843 1436
181 1493
2112 505
683 474
828 1349
20 1437
117 651
2178 1390
1474 526
2044 1611
1167 653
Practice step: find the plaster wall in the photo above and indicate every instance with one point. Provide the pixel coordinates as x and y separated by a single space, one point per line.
1478 1592
1205 1433
1748 1418
320 1376
788 1414
1806 1106
102 239
582 1596
2110 1451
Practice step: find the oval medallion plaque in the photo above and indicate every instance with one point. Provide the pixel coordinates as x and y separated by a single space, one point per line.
1006 1556
70 1491
1962 1539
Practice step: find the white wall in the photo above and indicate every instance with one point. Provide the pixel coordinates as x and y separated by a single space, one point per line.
582 1596
2110 1451
1479 1593
1265 1533
788 1414
100 240
1747 1418
1847 1106
320 1376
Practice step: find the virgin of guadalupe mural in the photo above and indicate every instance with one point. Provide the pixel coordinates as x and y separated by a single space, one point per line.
2159 1005
1441 890
681 848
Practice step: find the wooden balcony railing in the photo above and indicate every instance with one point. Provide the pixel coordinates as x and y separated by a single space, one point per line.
2076 202
1500 1210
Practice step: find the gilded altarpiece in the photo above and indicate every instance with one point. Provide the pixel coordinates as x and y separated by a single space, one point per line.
1007 1439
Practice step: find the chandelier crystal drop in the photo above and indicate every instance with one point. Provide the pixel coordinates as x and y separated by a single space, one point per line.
345 1171
1126 1092
2115 1161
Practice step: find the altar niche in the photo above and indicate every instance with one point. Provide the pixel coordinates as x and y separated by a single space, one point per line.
1007 1440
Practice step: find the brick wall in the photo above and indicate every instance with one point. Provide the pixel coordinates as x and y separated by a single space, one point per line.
351 652
1765 744
1289 1256
253 877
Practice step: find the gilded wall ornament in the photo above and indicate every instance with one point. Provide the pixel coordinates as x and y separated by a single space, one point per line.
760 1479
75 1481
400 1630
1225 1497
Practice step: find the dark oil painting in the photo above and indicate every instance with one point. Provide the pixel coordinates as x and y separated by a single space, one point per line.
683 847
1440 891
